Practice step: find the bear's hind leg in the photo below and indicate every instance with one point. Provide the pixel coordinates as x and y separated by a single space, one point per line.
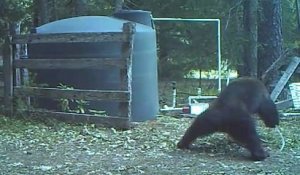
205 124
245 133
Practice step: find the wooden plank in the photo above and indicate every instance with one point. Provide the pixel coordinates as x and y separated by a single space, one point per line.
8 76
126 74
285 77
119 96
107 121
69 37
92 63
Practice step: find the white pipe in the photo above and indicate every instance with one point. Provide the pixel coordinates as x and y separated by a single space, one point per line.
171 109
190 98
219 59
219 55
186 19
174 98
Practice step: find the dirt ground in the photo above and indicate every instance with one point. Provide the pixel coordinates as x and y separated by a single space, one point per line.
35 147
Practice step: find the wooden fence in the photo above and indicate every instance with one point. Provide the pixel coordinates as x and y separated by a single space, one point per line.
12 65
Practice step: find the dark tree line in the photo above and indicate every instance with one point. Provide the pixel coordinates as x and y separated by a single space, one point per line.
254 32
263 34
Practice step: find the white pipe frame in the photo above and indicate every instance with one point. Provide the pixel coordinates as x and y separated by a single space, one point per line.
219 38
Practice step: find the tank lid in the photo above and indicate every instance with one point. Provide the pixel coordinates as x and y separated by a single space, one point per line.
88 24
139 16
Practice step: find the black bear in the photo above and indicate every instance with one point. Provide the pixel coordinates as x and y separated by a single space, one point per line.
231 113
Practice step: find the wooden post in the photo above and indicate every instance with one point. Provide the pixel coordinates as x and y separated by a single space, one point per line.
8 76
21 74
14 29
126 74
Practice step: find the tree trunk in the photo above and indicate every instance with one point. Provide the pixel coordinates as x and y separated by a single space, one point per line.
298 12
118 5
41 15
270 38
80 7
2 9
250 45
53 10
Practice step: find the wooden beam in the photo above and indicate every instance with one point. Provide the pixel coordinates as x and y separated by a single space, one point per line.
8 76
69 38
285 77
84 63
55 93
126 74
74 118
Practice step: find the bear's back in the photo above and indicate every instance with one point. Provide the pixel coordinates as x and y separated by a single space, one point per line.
248 92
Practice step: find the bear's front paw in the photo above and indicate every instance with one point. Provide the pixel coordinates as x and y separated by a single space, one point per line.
259 155
181 145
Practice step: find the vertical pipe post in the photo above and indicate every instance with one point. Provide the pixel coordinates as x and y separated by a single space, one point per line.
219 56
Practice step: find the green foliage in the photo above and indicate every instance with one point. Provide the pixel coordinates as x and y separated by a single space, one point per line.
79 106
14 11
179 53
65 8
23 11
290 28
185 46
76 105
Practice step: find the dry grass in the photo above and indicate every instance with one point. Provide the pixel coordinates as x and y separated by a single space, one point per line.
50 147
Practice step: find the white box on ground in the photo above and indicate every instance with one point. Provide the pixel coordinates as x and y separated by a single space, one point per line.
198 108
295 92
